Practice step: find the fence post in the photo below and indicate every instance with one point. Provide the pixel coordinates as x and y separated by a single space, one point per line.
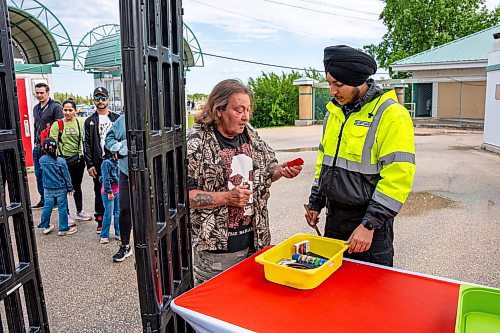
306 101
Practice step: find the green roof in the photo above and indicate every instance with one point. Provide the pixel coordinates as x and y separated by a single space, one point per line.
105 53
475 47
33 69
33 41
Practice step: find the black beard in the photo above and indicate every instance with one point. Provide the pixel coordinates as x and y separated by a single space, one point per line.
355 95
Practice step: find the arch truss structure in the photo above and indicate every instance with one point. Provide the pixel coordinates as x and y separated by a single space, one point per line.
90 38
38 35
192 53
100 50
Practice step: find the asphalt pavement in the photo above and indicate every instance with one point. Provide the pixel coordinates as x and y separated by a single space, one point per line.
450 227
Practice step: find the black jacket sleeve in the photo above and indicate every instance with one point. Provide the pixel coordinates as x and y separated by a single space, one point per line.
316 200
86 144
58 111
377 214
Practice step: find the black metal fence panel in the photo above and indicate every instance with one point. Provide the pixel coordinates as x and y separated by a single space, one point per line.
22 302
153 81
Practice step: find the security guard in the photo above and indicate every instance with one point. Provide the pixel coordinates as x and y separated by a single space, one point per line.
366 158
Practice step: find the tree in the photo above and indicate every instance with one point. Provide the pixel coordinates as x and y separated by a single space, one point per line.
276 99
61 97
418 25
197 97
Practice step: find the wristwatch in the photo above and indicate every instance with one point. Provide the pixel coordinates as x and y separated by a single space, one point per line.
368 225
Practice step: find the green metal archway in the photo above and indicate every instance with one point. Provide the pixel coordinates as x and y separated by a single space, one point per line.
194 55
90 39
99 51
38 35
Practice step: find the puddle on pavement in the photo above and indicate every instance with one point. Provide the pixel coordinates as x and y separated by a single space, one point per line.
464 148
296 150
422 202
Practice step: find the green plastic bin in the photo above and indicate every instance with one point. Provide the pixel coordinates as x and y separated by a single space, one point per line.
478 310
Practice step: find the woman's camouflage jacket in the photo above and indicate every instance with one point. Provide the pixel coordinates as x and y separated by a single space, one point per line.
209 227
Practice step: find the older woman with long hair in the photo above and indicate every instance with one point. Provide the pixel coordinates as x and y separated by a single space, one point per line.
230 170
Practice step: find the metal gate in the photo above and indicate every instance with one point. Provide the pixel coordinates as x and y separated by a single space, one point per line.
153 80
22 303
422 97
321 99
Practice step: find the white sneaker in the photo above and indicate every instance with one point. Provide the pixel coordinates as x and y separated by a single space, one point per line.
71 231
83 216
48 230
71 222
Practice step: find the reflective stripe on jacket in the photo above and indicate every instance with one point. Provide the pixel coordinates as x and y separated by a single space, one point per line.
374 159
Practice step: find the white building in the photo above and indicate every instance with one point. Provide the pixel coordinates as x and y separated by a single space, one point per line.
492 113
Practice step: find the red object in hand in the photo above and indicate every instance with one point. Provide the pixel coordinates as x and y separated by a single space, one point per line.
297 161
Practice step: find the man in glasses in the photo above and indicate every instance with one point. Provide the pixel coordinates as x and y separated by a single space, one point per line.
96 127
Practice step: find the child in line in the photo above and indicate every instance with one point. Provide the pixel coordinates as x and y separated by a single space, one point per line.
110 198
56 186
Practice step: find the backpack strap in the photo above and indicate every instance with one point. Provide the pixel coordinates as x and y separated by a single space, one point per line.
79 135
60 123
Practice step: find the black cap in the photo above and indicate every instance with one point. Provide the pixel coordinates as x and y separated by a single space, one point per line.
101 91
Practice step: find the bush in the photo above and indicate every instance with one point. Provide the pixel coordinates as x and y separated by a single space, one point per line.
276 99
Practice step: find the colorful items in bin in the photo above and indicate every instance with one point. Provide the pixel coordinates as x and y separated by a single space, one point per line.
292 264
310 261
301 247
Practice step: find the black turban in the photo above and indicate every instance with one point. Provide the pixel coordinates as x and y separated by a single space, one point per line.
348 65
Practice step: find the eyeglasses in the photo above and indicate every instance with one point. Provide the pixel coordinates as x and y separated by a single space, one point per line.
102 98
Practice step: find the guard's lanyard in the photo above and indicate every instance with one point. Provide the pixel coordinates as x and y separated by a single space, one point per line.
40 111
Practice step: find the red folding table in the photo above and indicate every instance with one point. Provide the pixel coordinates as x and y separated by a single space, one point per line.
358 297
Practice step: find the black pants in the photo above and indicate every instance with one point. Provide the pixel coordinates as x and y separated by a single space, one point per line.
341 222
125 220
76 173
98 205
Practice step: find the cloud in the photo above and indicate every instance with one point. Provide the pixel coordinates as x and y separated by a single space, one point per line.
229 15
258 30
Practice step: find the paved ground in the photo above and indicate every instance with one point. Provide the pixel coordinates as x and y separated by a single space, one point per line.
449 227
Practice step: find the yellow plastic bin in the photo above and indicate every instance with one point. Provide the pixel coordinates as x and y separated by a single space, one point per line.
330 248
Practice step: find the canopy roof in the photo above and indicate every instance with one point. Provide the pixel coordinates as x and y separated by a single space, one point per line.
104 54
33 42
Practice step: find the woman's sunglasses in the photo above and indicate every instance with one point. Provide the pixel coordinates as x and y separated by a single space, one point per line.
102 98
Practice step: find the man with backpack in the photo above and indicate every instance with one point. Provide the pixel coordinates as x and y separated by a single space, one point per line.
45 113
95 128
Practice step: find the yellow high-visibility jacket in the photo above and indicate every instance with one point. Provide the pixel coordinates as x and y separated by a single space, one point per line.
366 161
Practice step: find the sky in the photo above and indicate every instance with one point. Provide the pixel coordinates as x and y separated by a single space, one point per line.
290 33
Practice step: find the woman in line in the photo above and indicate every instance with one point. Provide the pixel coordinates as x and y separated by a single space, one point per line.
230 170
69 133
